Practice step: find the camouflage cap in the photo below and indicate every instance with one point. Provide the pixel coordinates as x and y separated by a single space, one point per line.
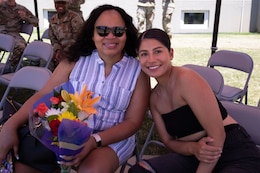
61 0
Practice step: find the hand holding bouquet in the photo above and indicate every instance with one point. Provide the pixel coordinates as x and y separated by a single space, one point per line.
63 120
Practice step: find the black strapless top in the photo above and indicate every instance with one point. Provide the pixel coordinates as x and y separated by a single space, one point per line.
182 121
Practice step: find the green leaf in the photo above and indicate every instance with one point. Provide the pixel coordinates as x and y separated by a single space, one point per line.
73 109
52 117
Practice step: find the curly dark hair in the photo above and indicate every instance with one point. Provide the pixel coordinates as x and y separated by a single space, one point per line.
84 44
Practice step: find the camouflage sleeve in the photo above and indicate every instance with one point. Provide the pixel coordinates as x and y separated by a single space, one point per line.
76 24
76 2
54 41
30 18
81 1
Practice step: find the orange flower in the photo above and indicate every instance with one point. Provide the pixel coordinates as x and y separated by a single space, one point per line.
84 100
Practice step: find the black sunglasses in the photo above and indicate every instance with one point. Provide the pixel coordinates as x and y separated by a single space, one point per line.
117 31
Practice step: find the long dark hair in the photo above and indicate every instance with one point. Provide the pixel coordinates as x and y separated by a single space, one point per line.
84 44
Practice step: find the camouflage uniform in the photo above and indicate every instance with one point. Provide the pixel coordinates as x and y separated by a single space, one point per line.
63 31
145 14
74 5
168 8
11 24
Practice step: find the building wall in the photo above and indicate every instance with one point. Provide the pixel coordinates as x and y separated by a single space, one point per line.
235 15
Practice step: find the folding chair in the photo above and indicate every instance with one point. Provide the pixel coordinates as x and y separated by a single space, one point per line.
247 116
45 35
213 77
7 44
36 51
30 77
235 61
149 139
135 154
27 29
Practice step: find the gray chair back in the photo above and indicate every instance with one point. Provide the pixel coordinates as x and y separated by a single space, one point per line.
7 44
233 60
45 35
27 29
36 51
29 77
213 77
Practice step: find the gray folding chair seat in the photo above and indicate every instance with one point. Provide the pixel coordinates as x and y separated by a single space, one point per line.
247 116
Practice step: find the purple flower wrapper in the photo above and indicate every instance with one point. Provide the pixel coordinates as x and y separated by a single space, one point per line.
72 135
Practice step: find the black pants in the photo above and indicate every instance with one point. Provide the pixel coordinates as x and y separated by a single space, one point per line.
240 155
34 154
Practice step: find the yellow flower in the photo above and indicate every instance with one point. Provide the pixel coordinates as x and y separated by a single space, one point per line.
67 115
84 100
65 95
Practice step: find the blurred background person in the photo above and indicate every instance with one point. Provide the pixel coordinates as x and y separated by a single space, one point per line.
74 5
168 7
145 15
63 30
12 18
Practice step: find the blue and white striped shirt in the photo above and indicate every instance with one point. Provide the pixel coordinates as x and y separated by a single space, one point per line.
115 90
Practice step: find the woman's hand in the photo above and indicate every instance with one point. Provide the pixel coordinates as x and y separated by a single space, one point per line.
77 159
207 153
8 140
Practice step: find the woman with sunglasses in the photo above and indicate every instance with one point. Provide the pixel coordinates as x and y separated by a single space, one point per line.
189 119
103 58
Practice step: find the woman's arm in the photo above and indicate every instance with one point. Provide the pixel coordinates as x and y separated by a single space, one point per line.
8 134
203 103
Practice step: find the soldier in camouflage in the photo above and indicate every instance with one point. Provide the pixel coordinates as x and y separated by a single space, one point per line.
12 17
74 5
145 14
168 9
63 30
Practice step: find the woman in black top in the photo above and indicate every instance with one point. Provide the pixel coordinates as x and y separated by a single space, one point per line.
190 121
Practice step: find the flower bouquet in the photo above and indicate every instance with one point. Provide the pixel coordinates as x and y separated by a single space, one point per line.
63 120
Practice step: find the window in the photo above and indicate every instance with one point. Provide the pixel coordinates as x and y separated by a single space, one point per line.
47 14
194 19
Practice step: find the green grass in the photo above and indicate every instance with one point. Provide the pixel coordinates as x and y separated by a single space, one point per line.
246 42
